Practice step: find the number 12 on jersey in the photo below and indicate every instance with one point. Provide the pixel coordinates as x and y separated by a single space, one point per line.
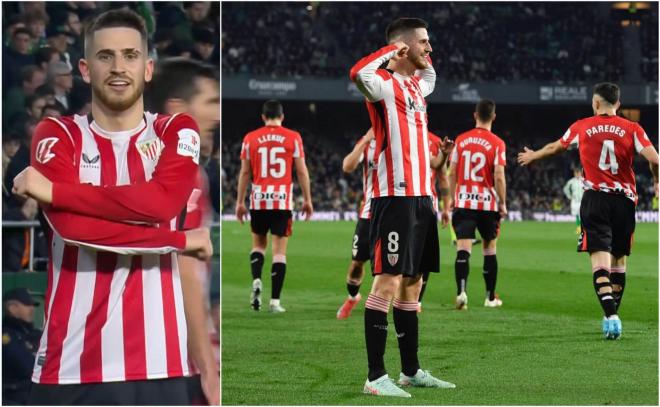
272 162
477 160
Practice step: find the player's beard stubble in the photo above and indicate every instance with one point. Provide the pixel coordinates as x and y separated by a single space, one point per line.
117 101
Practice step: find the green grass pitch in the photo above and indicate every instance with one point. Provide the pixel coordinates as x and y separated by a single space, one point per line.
543 346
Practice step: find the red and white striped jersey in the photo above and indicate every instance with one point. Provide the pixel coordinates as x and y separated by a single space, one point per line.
607 147
476 154
271 151
434 148
397 110
114 304
367 160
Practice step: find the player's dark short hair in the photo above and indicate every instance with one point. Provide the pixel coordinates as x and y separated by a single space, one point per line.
485 110
403 24
113 19
272 109
608 91
174 78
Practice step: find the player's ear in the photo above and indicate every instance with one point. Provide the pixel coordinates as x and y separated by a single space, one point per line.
149 70
84 70
474 115
494 116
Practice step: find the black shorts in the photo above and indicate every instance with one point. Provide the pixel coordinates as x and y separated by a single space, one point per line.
171 392
465 221
279 222
361 240
403 236
195 391
608 223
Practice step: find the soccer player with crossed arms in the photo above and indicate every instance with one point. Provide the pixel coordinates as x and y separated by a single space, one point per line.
607 145
269 156
478 188
402 217
112 186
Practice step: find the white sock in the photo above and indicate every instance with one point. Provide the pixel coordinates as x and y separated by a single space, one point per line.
275 303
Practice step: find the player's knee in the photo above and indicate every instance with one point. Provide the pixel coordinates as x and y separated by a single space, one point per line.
386 287
279 258
462 256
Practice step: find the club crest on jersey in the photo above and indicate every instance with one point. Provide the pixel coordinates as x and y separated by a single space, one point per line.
188 145
42 153
416 107
392 258
150 149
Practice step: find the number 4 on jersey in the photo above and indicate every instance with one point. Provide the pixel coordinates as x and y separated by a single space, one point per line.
607 159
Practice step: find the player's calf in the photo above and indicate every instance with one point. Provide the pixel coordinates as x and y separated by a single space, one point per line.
490 272
375 327
278 271
618 280
462 269
603 287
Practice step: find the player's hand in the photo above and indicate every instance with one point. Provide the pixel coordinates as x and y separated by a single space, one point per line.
446 145
502 209
307 209
402 52
31 183
370 135
241 212
211 388
526 157
30 208
444 218
198 243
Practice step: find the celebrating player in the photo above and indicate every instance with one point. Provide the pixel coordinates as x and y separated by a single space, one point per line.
607 145
402 215
363 152
113 184
478 188
269 156
573 191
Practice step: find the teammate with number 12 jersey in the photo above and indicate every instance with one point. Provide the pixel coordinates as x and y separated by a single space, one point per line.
268 156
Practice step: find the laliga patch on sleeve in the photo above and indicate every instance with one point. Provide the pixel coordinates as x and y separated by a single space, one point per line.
188 145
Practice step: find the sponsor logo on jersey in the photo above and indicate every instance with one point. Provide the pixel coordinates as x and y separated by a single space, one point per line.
42 153
392 258
270 196
415 107
474 196
150 149
91 162
188 145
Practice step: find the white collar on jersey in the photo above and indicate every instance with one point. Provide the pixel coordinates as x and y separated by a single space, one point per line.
117 134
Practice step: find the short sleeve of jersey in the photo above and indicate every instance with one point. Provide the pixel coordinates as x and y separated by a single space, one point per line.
245 149
298 151
571 135
500 154
640 138
454 155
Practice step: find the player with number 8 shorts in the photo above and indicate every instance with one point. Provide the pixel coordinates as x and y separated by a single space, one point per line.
607 145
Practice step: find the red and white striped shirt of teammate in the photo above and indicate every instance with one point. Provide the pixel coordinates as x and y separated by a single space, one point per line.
367 160
111 188
397 109
271 151
475 156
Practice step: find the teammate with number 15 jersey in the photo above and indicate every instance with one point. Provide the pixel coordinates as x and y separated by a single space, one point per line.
268 156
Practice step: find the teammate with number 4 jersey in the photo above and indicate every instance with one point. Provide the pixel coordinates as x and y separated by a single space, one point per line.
478 188
269 156
607 145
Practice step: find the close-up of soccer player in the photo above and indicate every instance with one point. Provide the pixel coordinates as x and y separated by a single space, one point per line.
269 156
478 189
181 85
573 191
607 145
113 186
403 221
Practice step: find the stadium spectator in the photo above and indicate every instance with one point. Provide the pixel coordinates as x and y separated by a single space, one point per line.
44 56
56 110
204 44
14 100
20 341
58 39
34 105
17 55
36 21
61 79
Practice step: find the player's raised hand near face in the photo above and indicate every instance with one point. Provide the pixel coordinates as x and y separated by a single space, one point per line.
307 209
446 146
241 212
402 52
526 156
